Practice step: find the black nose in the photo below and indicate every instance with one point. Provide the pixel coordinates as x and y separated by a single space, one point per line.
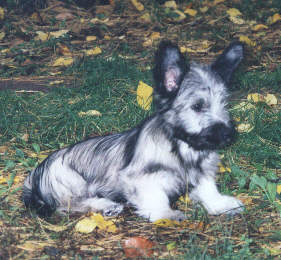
222 134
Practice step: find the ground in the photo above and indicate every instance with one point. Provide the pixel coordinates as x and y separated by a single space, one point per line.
69 72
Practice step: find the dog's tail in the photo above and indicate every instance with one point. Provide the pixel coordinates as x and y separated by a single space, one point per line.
32 197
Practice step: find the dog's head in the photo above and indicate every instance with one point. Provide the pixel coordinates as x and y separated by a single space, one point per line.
194 97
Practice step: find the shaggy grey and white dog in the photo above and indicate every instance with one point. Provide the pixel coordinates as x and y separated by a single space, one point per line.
150 166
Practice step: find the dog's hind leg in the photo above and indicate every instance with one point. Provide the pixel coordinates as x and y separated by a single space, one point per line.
95 204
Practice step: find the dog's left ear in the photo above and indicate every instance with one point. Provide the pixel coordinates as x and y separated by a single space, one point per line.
228 61
170 68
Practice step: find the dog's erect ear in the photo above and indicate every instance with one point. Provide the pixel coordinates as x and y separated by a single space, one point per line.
169 70
228 61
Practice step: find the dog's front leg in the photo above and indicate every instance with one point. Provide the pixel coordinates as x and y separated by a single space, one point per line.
149 195
206 192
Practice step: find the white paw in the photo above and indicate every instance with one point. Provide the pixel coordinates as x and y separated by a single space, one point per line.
113 210
224 205
168 214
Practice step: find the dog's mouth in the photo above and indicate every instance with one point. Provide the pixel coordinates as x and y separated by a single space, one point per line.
214 137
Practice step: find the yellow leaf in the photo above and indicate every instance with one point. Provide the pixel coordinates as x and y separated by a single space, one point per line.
144 95
155 35
137 5
171 246
166 223
94 51
58 34
204 9
33 245
181 16
56 82
55 228
2 13
255 97
236 20
90 113
86 225
191 12
146 17
278 189
270 99
170 4
233 12
245 198
42 36
4 50
3 180
102 224
2 35
259 27
245 39
91 38
244 128
223 169
244 106
218 2
185 199
273 19
63 61
107 37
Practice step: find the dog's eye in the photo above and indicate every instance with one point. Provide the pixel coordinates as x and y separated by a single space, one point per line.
198 106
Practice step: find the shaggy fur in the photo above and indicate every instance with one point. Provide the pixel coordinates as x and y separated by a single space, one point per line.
150 166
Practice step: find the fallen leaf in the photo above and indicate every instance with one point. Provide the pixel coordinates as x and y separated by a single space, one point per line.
278 188
2 13
155 35
59 33
180 15
56 82
3 149
2 35
245 198
42 36
64 16
171 246
274 248
63 50
255 97
33 245
233 12
94 51
91 38
244 106
107 37
90 113
218 2
236 20
204 9
244 128
139 6
273 19
146 17
63 61
25 137
223 169
3 180
86 225
259 27
245 39
270 99
171 4
190 12
144 95
166 223
138 247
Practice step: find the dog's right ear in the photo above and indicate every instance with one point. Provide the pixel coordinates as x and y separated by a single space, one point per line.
170 68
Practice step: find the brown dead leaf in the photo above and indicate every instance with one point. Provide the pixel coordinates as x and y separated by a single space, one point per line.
138 247
3 149
33 245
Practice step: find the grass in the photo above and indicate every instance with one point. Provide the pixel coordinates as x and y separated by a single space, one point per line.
52 120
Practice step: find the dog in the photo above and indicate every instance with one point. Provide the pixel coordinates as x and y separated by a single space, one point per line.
150 166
